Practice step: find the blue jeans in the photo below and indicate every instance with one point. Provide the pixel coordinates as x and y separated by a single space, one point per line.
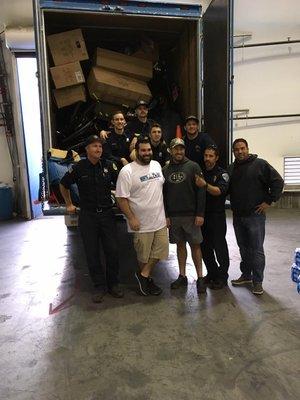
250 235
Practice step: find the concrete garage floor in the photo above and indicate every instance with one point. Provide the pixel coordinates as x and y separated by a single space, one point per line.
227 345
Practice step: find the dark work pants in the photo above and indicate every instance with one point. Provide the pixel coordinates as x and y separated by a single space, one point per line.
214 246
250 236
96 227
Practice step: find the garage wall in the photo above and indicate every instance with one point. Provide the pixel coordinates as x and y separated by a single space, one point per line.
267 79
5 164
21 192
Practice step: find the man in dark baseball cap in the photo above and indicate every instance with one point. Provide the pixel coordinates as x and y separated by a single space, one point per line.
184 208
176 142
195 140
191 118
141 125
94 176
141 103
92 139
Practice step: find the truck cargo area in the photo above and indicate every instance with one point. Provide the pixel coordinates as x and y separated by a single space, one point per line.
176 63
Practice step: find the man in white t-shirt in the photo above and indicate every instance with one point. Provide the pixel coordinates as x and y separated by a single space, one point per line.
139 196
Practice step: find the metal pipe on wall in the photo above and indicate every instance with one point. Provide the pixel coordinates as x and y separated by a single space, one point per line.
267 116
266 44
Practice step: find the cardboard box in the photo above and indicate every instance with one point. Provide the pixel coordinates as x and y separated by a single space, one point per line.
116 88
147 53
67 75
67 47
69 95
123 64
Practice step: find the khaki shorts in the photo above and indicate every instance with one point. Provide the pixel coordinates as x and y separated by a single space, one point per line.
151 245
183 229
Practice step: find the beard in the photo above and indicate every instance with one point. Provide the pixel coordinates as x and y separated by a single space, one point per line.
144 159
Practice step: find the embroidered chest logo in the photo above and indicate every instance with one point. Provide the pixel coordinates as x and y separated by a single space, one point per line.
151 176
225 176
197 148
177 177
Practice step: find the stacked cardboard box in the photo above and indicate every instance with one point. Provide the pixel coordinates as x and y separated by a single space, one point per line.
119 79
67 49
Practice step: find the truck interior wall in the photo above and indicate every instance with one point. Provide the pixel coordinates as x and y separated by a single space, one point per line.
177 40
185 63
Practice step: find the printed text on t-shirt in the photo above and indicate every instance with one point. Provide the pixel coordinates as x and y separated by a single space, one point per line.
148 177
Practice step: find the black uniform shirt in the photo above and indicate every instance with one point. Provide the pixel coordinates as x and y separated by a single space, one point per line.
220 178
94 183
194 148
160 153
117 146
140 128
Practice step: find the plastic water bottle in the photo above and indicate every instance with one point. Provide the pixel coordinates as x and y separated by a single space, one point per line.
297 256
295 272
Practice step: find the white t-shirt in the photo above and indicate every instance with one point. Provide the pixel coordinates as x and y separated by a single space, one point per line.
142 186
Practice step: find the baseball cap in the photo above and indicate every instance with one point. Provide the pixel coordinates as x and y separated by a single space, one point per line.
177 142
192 117
92 139
141 103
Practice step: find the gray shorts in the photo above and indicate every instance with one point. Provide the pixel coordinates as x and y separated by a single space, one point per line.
183 229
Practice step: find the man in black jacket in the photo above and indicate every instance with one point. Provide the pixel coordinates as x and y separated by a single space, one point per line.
141 124
254 185
195 141
118 141
214 246
158 145
94 178
184 207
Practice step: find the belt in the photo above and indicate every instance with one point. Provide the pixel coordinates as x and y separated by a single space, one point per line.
97 210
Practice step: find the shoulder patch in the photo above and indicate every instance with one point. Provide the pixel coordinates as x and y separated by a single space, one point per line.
225 176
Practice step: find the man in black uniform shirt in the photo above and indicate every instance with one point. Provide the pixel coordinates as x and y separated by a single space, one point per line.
158 145
141 124
94 178
216 182
195 141
117 145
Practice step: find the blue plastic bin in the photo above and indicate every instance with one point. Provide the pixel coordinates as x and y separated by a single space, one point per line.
6 203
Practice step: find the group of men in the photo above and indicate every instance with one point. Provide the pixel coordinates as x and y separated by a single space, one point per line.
181 201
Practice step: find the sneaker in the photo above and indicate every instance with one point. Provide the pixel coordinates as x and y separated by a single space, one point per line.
201 286
99 294
143 284
217 285
153 289
257 288
116 291
242 280
181 281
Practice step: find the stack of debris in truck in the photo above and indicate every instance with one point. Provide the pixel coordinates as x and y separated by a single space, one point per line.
115 80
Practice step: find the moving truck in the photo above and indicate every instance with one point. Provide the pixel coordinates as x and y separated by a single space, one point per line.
195 49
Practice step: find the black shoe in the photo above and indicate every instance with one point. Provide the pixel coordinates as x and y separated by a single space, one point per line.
143 284
207 279
153 289
181 281
201 286
99 294
218 285
116 291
